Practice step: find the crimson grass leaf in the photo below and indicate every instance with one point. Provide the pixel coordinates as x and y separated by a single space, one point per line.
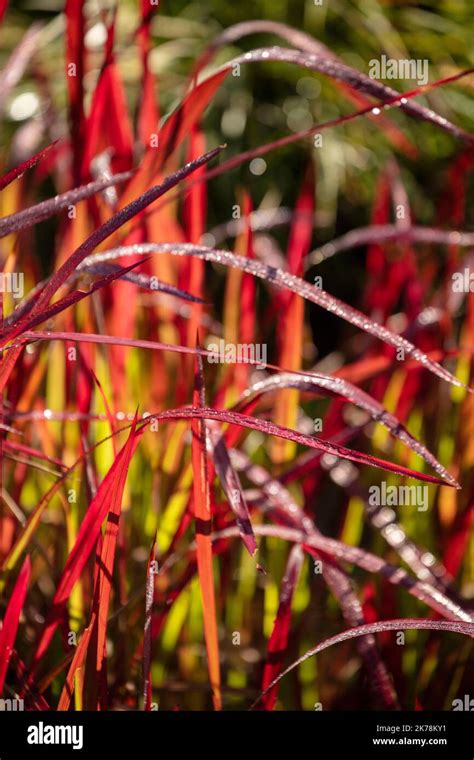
282 279
341 387
203 521
11 620
105 562
19 170
110 226
281 627
232 487
109 492
466 629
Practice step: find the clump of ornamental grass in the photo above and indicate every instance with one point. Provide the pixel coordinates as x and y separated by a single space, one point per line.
193 528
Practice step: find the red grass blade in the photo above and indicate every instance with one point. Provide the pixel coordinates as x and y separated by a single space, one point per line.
76 667
282 279
467 629
105 565
3 9
174 131
110 226
319 382
12 619
291 435
19 170
148 111
108 124
281 627
203 518
108 494
75 55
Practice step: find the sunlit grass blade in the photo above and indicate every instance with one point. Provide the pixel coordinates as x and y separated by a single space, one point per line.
325 383
291 339
76 669
103 232
11 619
281 628
109 493
105 562
232 487
283 279
203 522
466 629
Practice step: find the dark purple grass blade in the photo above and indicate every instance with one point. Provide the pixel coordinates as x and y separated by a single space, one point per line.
292 435
337 580
110 226
22 220
379 678
357 80
147 637
421 562
295 37
371 563
145 281
231 486
262 150
31 319
281 279
467 629
281 627
280 502
313 54
386 233
341 387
